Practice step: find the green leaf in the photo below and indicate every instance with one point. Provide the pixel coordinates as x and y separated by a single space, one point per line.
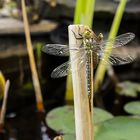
133 108
101 115
62 119
128 89
118 128
69 137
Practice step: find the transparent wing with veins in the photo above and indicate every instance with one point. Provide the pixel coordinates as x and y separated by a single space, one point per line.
65 68
119 41
59 49
116 59
119 57
63 50
98 49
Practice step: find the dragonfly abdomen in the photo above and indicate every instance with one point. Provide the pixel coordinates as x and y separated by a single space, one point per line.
88 74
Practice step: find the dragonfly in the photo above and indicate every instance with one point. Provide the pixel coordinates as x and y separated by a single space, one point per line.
90 43
89 53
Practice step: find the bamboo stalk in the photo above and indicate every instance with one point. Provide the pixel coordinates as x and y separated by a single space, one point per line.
83 117
35 78
4 103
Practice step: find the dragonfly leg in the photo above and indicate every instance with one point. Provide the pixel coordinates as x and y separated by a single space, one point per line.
79 32
78 38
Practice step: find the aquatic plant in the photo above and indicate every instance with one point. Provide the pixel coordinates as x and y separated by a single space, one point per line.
4 105
99 76
2 84
84 14
35 78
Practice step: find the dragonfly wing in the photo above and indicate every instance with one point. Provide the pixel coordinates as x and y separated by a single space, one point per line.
59 49
119 41
61 70
65 68
56 49
118 59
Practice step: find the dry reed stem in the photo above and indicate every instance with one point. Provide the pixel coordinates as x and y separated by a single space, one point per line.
83 114
33 67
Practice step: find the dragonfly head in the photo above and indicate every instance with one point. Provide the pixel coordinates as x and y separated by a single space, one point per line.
88 33
100 37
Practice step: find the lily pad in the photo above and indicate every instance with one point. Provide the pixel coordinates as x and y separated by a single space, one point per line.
118 128
69 137
133 108
62 119
101 115
128 88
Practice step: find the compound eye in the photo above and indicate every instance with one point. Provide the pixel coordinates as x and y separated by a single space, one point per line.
100 36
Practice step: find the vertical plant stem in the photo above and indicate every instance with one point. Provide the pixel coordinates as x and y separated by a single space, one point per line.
35 78
39 57
83 120
113 32
89 13
2 84
84 13
79 12
4 103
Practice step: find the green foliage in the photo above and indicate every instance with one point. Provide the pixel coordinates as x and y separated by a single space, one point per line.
113 32
101 115
106 126
69 137
118 128
38 47
28 86
62 119
128 88
84 12
2 84
133 108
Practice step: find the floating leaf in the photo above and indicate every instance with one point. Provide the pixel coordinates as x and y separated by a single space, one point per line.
2 84
128 88
101 115
118 128
133 108
69 137
62 119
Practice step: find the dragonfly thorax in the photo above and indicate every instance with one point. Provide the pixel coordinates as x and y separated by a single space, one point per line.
89 43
